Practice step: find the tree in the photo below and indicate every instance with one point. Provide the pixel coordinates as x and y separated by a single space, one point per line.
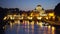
1 20
17 9
57 10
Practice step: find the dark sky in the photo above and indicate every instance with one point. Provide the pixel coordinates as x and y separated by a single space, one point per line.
28 4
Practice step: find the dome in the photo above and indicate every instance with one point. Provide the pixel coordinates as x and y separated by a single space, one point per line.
38 8
38 5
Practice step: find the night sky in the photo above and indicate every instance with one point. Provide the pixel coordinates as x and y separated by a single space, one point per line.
28 4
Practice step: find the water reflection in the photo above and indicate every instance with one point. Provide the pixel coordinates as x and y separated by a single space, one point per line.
27 27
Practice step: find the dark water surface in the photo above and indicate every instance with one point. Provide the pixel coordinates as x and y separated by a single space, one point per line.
28 28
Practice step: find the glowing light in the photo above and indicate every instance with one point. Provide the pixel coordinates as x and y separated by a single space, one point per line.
29 17
40 24
5 18
53 30
42 14
39 17
38 8
46 17
32 26
11 16
51 14
32 22
49 29
14 15
31 14
4 27
37 23
22 14
53 17
21 17
32 29
18 22
49 26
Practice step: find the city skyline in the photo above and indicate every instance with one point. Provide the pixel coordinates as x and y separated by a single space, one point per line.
29 4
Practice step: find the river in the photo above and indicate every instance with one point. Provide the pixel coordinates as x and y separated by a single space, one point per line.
27 27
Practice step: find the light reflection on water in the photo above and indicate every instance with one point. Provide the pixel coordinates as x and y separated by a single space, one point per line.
28 28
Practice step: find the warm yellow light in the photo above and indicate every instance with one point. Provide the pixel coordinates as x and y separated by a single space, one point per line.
29 17
46 17
5 18
38 8
32 23
53 17
53 28
14 15
37 23
40 24
49 26
31 14
22 18
11 17
17 17
18 22
39 18
51 14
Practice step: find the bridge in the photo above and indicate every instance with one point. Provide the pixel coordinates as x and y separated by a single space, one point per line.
30 18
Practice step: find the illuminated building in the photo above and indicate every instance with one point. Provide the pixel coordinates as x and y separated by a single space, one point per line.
37 14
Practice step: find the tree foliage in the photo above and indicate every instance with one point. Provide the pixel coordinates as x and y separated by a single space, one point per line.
57 10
